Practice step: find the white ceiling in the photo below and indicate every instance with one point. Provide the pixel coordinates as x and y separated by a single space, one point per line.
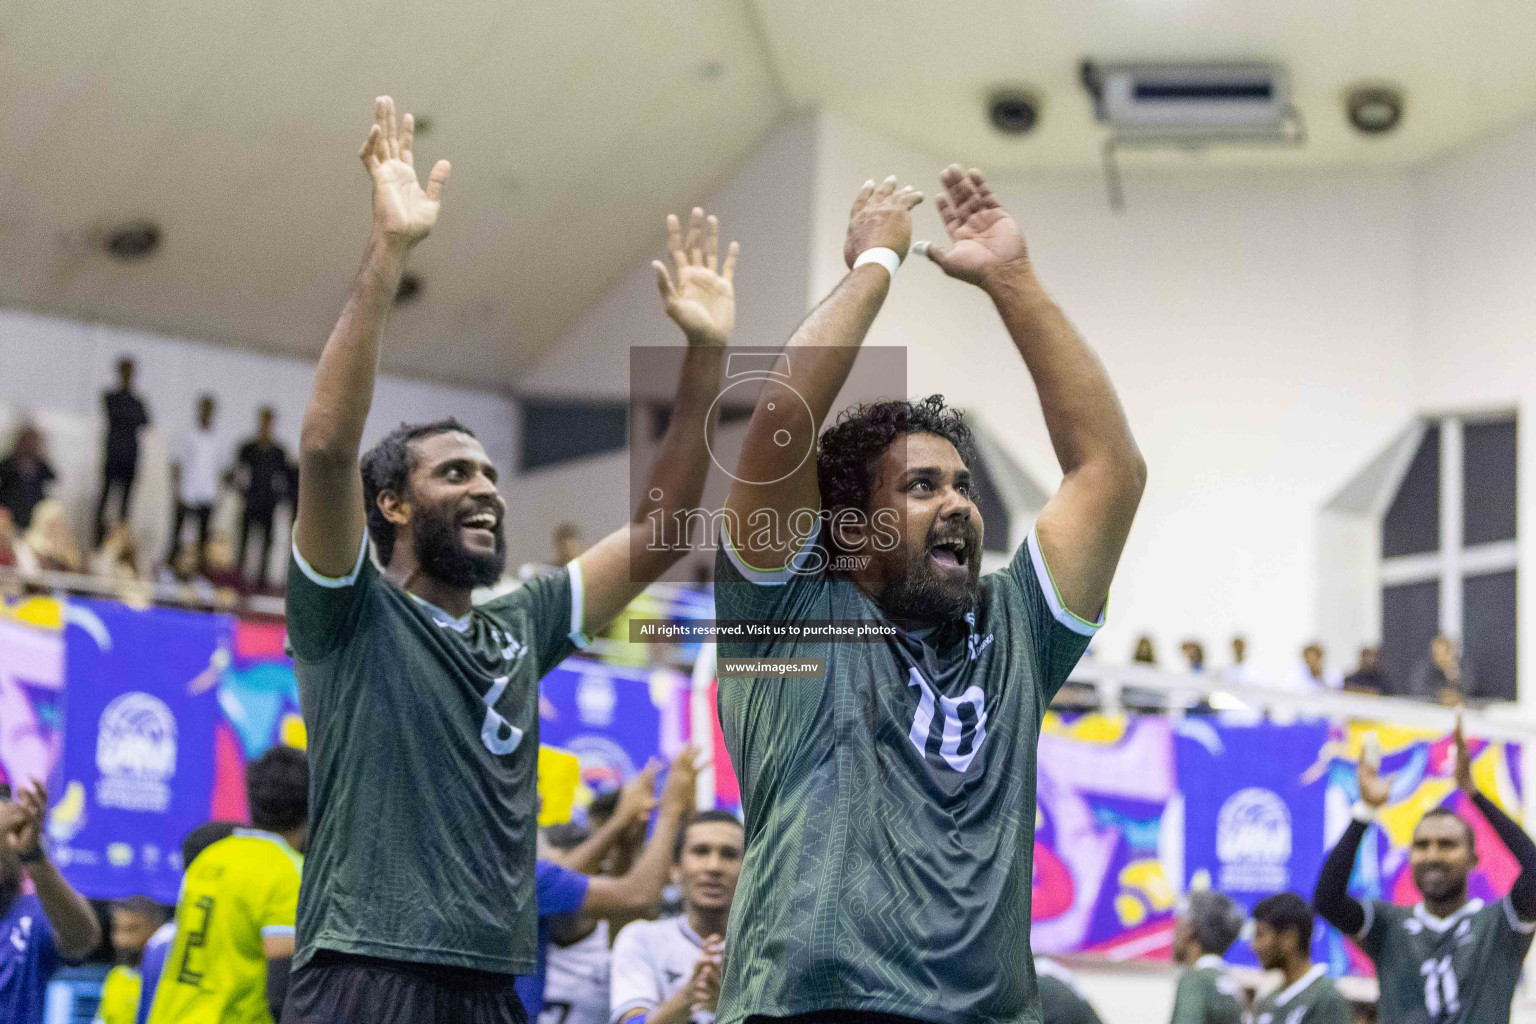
574 126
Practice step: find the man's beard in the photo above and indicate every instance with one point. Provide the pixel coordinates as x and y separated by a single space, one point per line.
442 557
925 596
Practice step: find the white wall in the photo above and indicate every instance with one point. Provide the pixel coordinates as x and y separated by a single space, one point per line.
1256 326
1476 312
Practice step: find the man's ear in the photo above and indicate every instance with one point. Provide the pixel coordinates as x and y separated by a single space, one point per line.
395 508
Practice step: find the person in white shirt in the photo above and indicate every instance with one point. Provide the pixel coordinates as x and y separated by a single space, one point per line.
1313 672
669 971
195 477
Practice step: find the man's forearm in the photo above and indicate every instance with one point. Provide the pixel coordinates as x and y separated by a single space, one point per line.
343 390
646 880
1331 898
74 922
675 1009
1082 413
823 348
682 459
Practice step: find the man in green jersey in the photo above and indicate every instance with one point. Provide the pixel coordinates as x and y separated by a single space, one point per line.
890 801
1207 992
422 708
1451 959
1282 941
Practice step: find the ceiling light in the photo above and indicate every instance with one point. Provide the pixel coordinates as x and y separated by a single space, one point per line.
1013 111
1374 110
135 240
410 288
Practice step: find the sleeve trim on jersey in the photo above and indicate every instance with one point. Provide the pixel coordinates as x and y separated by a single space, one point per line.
272 931
1369 906
769 577
332 582
1523 927
630 1007
578 605
1059 611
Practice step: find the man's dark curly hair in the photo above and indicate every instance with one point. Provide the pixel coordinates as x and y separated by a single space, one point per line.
277 785
850 449
387 467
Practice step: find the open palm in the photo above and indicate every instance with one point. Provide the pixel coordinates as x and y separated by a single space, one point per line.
702 300
984 237
402 209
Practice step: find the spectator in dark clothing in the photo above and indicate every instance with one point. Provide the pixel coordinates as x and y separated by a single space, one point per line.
125 415
25 475
1368 676
265 473
1444 677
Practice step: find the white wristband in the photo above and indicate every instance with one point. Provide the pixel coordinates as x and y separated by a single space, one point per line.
887 258
1362 811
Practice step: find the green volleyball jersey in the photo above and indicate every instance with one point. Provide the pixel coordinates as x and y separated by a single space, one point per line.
423 754
890 804
1458 970
1208 994
1313 999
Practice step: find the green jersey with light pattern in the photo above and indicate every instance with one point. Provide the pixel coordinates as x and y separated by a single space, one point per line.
1208 994
1458 970
423 759
890 805
1313 999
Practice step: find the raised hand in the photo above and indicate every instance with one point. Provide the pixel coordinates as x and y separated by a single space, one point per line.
680 791
21 822
881 218
402 210
1374 789
703 299
1463 761
985 240
638 797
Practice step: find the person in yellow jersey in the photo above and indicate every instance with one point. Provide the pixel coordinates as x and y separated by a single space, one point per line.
235 919
134 920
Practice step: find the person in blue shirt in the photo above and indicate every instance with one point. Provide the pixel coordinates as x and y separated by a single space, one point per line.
160 943
38 930
563 891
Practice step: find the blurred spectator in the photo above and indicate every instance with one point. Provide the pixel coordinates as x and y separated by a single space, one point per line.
1444 677
119 557
125 416
49 540
134 921
1194 656
1061 1001
41 928
1367 676
1239 672
8 545
1313 671
1145 654
159 945
265 478
25 475
568 543
195 478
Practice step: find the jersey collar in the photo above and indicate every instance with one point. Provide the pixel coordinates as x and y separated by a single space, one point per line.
1211 960
1317 971
688 933
441 617
271 837
1443 924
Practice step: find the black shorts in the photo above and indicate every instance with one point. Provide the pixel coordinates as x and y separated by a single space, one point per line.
339 988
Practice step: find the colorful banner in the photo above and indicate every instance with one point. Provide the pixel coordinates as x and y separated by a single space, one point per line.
31 690
1421 763
138 744
1253 811
613 719
1105 836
